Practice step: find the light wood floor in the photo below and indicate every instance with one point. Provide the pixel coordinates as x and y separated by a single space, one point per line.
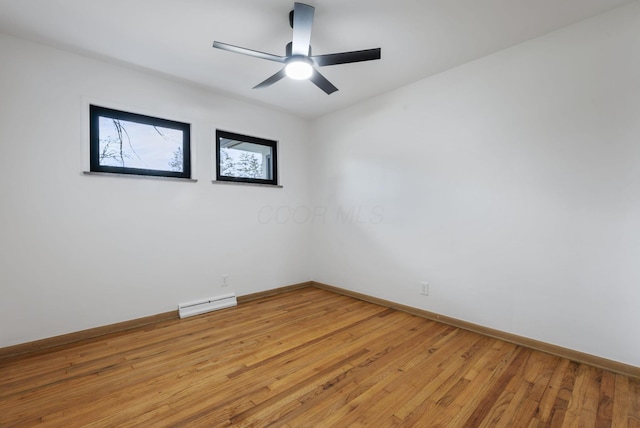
309 358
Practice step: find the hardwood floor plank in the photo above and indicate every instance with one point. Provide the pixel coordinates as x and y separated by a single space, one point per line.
249 383
308 357
434 366
442 400
620 402
536 376
604 417
538 373
490 399
634 403
396 393
561 403
506 404
583 404
482 376
383 343
545 407
293 360
374 373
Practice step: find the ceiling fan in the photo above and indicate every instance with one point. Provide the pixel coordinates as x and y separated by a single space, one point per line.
299 63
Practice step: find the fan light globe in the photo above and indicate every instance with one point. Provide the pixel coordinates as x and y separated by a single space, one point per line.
298 70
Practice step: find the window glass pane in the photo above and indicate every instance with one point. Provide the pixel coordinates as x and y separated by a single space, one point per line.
135 145
245 160
129 143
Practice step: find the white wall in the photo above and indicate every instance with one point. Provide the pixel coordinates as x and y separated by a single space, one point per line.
511 184
79 251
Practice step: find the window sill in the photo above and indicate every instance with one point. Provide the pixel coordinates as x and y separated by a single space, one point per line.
151 177
245 184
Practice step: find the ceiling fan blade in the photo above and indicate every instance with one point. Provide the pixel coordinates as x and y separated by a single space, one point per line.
321 82
245 51
302 23
271 80
347 57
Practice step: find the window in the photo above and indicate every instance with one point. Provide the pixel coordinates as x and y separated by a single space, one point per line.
129 143
246 159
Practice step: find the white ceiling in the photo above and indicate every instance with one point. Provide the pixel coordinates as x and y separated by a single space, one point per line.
418 38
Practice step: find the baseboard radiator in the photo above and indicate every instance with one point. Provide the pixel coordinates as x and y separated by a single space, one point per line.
202 306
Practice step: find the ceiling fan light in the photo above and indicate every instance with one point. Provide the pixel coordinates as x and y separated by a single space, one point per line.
298 70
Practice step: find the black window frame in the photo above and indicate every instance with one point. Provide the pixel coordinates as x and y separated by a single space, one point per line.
273 167
95 112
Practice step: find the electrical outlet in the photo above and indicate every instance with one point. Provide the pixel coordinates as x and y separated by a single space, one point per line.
225 279
424 288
